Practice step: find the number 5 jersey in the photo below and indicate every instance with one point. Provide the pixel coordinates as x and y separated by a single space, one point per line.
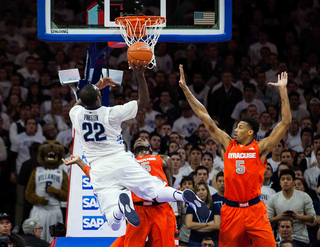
243 171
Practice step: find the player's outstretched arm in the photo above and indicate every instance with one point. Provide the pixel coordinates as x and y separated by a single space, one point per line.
77 160
217 134
268 143
143 90
167 169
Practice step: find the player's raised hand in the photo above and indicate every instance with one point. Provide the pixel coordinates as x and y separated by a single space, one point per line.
104 82
74 160
182 82
138 68
282 80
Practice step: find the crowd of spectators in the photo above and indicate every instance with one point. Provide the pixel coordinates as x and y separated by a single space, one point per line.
230 79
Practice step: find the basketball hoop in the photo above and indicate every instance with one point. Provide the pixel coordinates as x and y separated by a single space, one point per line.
141 28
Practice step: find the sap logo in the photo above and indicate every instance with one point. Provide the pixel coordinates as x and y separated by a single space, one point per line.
92 222
90 203
86 185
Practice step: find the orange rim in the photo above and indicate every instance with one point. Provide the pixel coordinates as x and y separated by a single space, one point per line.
141 18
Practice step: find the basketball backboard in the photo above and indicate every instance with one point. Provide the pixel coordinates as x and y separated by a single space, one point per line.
187 21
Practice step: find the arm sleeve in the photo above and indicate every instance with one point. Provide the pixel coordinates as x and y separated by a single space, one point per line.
308 206
3 151
189 210
121 113
236 113
216 209
307 179
270 208
13 131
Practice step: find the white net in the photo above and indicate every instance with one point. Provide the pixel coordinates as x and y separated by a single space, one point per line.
141 29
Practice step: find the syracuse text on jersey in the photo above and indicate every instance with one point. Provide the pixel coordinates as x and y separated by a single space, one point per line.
241 155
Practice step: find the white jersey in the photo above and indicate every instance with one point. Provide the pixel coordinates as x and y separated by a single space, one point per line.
45 178
99 129
266 193
311 176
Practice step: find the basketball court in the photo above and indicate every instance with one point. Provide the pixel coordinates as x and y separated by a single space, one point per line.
119 23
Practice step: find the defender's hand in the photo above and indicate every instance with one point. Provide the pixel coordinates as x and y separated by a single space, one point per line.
182 81
282 80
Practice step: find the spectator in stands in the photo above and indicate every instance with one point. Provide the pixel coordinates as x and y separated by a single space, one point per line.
164 60
266 190
294 140
207 161
195 158
218 198
19 154
203 133
29 52
315 145
254 50
155 141
224 100
202 230
311 174
263 92
286 156
32 230
29 72
212 147
140 119
151 115
297 112
202 176
166 108
293 203
175 137
274 160
50 131
18 127
184 232
199 89
5 230
306 136
158 121
188 123
207 242
285 228
249 91
184 163
176 163
265 125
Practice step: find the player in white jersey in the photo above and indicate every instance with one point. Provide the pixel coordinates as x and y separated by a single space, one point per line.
115 172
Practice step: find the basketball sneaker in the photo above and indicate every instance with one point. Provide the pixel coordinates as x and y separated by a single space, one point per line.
200 208
129 213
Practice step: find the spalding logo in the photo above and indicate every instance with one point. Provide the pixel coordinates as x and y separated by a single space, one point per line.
90 203
92 222
86 185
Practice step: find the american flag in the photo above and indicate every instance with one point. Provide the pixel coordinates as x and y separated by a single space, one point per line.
203 18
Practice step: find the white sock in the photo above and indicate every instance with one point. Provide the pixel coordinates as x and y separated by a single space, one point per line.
169 194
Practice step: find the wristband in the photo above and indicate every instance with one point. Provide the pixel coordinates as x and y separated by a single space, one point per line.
87 170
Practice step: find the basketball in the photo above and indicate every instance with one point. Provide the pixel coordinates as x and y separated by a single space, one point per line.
139 51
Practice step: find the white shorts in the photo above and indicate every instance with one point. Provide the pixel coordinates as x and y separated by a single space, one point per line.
121 173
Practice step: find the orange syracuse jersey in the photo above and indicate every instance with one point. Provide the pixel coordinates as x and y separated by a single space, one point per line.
154 165
243 171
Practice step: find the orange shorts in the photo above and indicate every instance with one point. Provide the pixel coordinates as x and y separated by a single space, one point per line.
239 225
158 223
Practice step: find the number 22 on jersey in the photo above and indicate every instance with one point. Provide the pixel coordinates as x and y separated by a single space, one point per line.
94 132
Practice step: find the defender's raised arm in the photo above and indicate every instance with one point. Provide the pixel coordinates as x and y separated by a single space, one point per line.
217 134
268 143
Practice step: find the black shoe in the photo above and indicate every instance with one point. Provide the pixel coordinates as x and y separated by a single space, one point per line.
129 213
200 208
